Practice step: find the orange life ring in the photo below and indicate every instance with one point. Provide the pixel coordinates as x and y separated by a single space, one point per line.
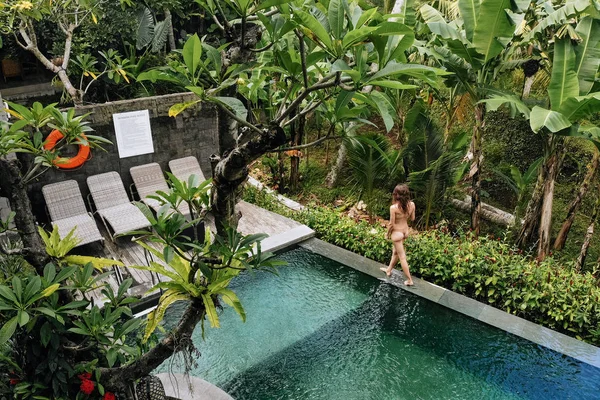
63 162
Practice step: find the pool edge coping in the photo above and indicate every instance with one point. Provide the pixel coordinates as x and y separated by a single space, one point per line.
485 313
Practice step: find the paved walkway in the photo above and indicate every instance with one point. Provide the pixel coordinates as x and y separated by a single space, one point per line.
281 230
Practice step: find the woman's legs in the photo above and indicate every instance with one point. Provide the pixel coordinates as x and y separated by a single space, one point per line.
393 262
399 246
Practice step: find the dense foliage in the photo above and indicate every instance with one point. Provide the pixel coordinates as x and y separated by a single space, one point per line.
487 269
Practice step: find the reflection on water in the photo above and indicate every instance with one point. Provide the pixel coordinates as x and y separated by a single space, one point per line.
324 331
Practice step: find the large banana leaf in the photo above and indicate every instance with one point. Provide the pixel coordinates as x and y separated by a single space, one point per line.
406 14
513 102
581 107
564 82
492 23
587 53
469 9
438 25
559 17
551 120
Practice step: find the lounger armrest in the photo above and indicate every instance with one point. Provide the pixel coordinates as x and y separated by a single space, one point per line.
91 204
133 191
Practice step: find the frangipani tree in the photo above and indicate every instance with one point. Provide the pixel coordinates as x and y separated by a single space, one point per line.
20 18
338 44
573 98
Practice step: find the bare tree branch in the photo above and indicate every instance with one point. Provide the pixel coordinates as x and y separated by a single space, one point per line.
306 145
239 120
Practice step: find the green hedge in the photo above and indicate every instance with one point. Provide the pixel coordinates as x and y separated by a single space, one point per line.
485 269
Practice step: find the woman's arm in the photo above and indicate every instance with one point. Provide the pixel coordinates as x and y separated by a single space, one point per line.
388 234
412 213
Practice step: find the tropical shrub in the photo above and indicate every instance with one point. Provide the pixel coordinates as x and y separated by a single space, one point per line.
487 269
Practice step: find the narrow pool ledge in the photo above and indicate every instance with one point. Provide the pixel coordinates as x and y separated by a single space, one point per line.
510 323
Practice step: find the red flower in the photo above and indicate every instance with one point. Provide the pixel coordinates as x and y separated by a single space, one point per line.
86 376
14 381
109 396
87 386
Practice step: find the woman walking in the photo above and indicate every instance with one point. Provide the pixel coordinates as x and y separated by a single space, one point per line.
401 211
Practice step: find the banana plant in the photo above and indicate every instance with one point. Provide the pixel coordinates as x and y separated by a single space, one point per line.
572 102
475 47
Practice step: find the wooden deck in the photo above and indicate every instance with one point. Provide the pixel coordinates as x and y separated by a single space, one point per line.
254 220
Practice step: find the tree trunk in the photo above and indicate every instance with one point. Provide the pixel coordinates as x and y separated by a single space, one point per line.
527 85
118 379
532 213
31 45
579 264
75 94
232 170
295 159
592 167
12 187
168 17
332 177
488 212
552 168
475 172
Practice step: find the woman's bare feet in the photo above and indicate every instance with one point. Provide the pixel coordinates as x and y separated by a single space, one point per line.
388 273
409 283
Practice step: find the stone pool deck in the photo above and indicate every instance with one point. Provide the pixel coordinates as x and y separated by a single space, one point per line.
283 232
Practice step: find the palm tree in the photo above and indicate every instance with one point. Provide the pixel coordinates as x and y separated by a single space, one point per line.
372 161
432 164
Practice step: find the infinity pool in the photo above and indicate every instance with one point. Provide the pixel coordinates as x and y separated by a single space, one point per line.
321 330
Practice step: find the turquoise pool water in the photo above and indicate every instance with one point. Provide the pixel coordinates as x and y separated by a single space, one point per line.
321 330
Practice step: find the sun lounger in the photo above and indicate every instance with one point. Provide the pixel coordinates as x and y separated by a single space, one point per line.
148 179
67 211
182 168
113 205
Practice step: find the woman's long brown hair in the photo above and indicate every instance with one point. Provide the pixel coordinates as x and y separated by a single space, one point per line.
401 196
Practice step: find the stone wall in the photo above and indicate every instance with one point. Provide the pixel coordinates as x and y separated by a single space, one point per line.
193 133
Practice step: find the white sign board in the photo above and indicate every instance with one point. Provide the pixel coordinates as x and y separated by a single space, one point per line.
134 135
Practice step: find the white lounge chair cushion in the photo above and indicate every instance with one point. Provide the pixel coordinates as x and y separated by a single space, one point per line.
124 218
85 228
182 168
67 211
